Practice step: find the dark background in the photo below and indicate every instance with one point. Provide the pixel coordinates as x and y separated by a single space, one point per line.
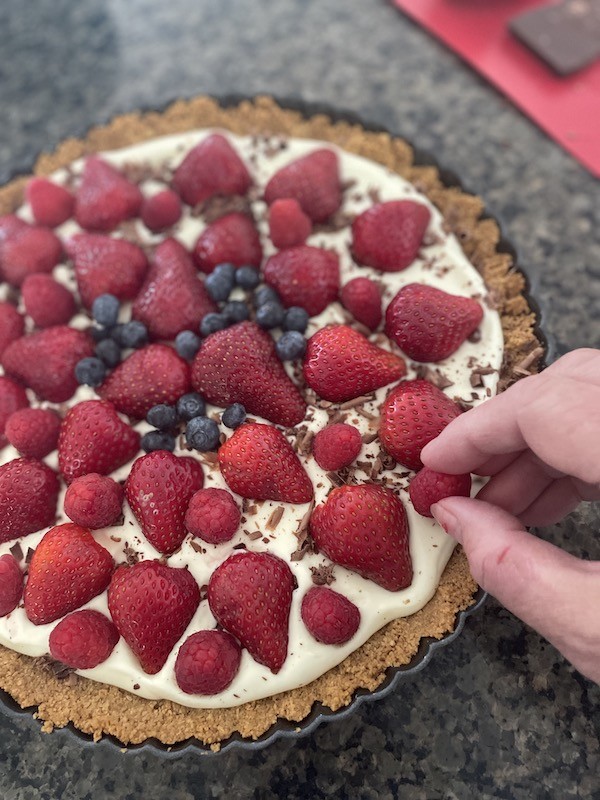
498 713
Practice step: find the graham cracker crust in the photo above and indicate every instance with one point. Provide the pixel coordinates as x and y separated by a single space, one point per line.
98 709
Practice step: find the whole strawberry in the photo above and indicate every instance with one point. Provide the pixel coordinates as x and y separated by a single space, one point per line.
288 224
429 324
313 180
207 662
28 495
152 604
94 501
230 239
46 301
112 444
341 364
257 461
159 489
148 377
364 528
304 276
388 235
336 446
329 616
211 167
413 414
27 249
429 486
172 299
12 325
33 431
240 365
11 584
68 568
362 298
250 595
12 398
105 197
83 639
51 204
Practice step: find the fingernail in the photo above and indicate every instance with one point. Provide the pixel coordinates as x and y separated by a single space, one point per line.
447 520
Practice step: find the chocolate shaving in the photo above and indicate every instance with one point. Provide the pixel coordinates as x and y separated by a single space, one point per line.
131 556
275 518
366 414
29 556
433 375
522 368
136 686
56 668
335 479
196 546
306 546
253 535
338 416
369 438
240 546
323 574
218 206
357 401
210 458
17 551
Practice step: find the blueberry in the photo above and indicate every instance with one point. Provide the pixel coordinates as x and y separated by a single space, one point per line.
90 371
157 440
105 310
162 416
295 319
270 314
234 415
265 294
109 352
219 284
226 271
290 346
191 405
202 433
187 344
212 323
132 334
235 311
247 277
99 334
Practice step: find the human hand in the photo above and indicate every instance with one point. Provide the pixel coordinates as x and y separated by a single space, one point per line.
539 441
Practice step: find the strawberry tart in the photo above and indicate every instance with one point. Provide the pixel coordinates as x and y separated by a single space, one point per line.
226 333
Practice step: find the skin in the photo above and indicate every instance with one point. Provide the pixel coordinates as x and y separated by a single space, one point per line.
539 443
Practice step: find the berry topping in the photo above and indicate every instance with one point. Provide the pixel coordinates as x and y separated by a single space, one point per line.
257 461
329 616
207 662
109 352
33 431
105 197
247 277
157 440
90 371
290 346
429 486
187 344
235 311
158 489
12 325
336 446
105 310
68 568
27 249
362 298
313 181
11 584
265 294
304 276
341 364
233 416
46 301
270 315
190 405
388 236
212 516
250 595
288 224
83 639
212 167
212 323
28 496
94 501
51 204
233 239
219 284
202 433
12 398
161 210
131 335
295 319
364 528
430 324
162 416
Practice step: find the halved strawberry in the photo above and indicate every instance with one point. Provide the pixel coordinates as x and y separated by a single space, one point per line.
230 239
362 298
105 197
313 180
27 249
12 398
388 236
211 167
12 325
11 584
28 495
304 276
51 204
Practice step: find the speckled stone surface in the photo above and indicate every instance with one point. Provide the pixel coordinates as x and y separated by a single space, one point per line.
498 714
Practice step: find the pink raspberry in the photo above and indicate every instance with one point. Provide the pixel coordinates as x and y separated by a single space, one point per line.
336 446
11 584
161 210
207 662
288 224
212 515
12 325
94 501
50 203
428 486
83 639
33 431
362 298
329 616
46 301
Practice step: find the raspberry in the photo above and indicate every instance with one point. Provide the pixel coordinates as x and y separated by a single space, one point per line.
11 584
288 224
46 301
12 325
51 204
33 431
94 501
336 446
161 210
83 640
329 616
428 486
362 298
207 662
212 515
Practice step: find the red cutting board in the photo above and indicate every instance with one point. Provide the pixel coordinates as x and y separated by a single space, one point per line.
568 109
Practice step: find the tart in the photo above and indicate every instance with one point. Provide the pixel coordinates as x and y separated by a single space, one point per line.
217 323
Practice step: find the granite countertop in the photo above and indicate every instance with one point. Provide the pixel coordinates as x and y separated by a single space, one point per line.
498 713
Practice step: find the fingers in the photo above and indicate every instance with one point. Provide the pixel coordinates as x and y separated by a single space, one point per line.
519 484
556 501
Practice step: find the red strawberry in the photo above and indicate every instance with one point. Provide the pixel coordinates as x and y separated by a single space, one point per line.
364 528
212 516
336 446
172 299
28 495
413 414
211 167
233 239
329 616
388 236
429 324
69 567
304 276
33 431
93 438
341 364
46 301
94 501
313 180
12 398
429 486
105 197
159 489
240 365
11 584
27 249
12 325
51 204
9 225
362 298
250 595
257 461
152 605
207 662
104 265
288 224
83 639
161 210
45 361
